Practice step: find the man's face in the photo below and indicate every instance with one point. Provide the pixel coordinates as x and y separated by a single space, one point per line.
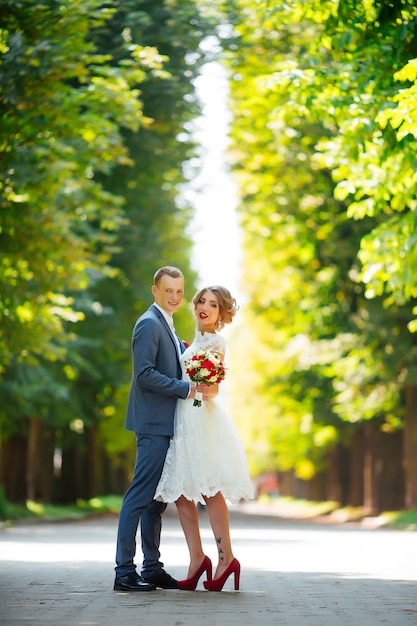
169 293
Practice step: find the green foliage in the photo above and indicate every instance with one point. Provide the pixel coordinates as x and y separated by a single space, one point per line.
80 510
62 110
327 206
96 103
155 231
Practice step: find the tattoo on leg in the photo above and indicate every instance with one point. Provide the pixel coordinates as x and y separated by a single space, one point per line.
218 541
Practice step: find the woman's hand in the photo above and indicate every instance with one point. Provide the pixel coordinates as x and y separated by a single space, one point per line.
208 391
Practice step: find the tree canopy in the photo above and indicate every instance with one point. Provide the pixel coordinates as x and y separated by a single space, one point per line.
98 101
323 144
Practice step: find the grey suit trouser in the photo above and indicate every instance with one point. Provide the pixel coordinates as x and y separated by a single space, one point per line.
139 505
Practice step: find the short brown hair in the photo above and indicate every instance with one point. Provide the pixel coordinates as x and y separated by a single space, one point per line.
169 270
227 304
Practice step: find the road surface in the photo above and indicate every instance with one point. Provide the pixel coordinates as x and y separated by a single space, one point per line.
294 573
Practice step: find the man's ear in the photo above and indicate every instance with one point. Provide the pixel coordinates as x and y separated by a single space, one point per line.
154 290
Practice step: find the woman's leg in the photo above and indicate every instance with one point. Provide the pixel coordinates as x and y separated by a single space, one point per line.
188 514
219 521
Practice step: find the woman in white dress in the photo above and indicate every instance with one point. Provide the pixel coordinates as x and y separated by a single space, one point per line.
206 461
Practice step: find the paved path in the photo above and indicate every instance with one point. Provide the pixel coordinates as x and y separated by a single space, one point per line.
293 574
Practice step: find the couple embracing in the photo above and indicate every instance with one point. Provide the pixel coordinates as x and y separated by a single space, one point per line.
181 456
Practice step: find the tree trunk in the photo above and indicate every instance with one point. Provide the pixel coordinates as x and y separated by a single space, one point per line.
337 475
356 482
392 497
317 487
39 472
333 485
66 484
410 447
96 462
118 474
290 485
13 460
373 466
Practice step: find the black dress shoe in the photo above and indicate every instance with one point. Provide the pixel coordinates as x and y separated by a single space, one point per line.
163 580
132 582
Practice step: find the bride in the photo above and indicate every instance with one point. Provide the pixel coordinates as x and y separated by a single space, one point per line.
206 461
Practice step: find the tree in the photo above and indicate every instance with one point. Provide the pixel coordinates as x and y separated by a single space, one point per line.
305 94
89 209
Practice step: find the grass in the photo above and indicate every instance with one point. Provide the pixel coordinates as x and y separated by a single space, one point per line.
281 506
297 507
82 508
405 520
308 509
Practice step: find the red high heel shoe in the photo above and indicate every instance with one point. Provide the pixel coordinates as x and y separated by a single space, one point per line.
189 584
217 583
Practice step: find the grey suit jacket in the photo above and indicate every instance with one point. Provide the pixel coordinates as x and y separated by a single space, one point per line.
156 377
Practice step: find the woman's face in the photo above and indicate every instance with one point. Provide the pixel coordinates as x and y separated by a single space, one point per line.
207 312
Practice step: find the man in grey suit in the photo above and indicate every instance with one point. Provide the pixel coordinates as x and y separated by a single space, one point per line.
155 387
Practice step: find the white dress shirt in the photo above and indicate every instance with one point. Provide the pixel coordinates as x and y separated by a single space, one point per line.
170 323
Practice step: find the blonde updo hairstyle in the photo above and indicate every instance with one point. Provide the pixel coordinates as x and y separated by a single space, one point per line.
227 304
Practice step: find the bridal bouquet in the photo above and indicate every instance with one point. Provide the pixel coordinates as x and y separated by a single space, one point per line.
204 367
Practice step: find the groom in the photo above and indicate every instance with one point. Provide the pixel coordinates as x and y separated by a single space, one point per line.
155 387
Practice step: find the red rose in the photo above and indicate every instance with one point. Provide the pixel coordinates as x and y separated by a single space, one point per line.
208 365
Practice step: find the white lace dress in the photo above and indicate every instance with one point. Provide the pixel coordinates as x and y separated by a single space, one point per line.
206 454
